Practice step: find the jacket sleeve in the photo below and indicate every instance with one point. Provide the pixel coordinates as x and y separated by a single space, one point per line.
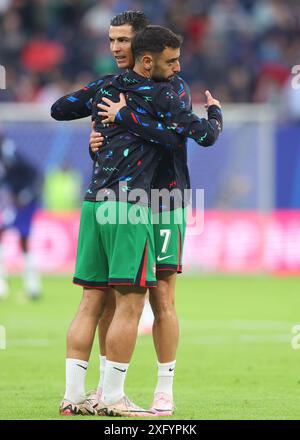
204 131
149 129
76 105
156 130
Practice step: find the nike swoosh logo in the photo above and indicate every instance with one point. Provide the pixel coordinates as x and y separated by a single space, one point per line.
119 369
159 258
85 368
171 369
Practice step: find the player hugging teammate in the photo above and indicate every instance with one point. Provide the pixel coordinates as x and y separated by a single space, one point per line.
124 248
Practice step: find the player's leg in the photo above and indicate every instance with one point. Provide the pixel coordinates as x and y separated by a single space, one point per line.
131 258
103 326
147 318
92 274
106 319
169 237
104 323
165 327
120 340
120 344
82 329
31 276
144 327
122 333
79 343
165 333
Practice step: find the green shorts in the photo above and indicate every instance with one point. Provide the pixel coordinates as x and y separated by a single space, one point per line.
115 251
169 232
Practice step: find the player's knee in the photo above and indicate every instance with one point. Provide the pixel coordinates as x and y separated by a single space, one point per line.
107 313
162 304
73 339
134 312
92 304
131 310
91 310
108 310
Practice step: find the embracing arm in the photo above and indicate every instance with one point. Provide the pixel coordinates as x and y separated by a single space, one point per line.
177 120
158 130
149 129
76 105
204 131
139 123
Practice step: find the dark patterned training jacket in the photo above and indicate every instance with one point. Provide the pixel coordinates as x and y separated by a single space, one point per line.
151 119
125 156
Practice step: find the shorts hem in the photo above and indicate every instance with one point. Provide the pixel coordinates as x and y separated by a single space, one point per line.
130 282
171 267
90 284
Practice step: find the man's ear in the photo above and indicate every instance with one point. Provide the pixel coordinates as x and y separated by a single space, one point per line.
147 62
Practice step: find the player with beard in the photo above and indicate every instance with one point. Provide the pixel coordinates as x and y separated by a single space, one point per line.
166 325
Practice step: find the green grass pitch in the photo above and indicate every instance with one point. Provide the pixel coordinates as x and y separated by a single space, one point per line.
235 359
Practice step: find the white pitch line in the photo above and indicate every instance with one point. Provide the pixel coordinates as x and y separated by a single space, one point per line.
237 324
28 343
261 325
241 339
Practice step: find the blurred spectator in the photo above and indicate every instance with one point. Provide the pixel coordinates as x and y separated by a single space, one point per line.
233 192
41 55
62 190
97 18
241 48
20 185
4 5
290 105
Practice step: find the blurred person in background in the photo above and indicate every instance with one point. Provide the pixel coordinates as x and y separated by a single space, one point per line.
290 99
229 45
19 199
62 189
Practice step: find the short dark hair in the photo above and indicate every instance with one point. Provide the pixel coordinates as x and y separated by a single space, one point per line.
154 39
137 19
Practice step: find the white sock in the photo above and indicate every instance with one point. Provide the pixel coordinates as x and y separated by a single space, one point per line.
165 377
75 380
102 371
32 280
114 379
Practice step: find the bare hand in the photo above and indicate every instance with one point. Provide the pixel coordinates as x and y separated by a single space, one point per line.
110 110
210 100
96 139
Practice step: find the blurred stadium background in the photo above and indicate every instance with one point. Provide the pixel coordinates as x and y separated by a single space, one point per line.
244 51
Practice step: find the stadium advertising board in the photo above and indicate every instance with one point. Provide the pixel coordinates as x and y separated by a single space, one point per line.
234 241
